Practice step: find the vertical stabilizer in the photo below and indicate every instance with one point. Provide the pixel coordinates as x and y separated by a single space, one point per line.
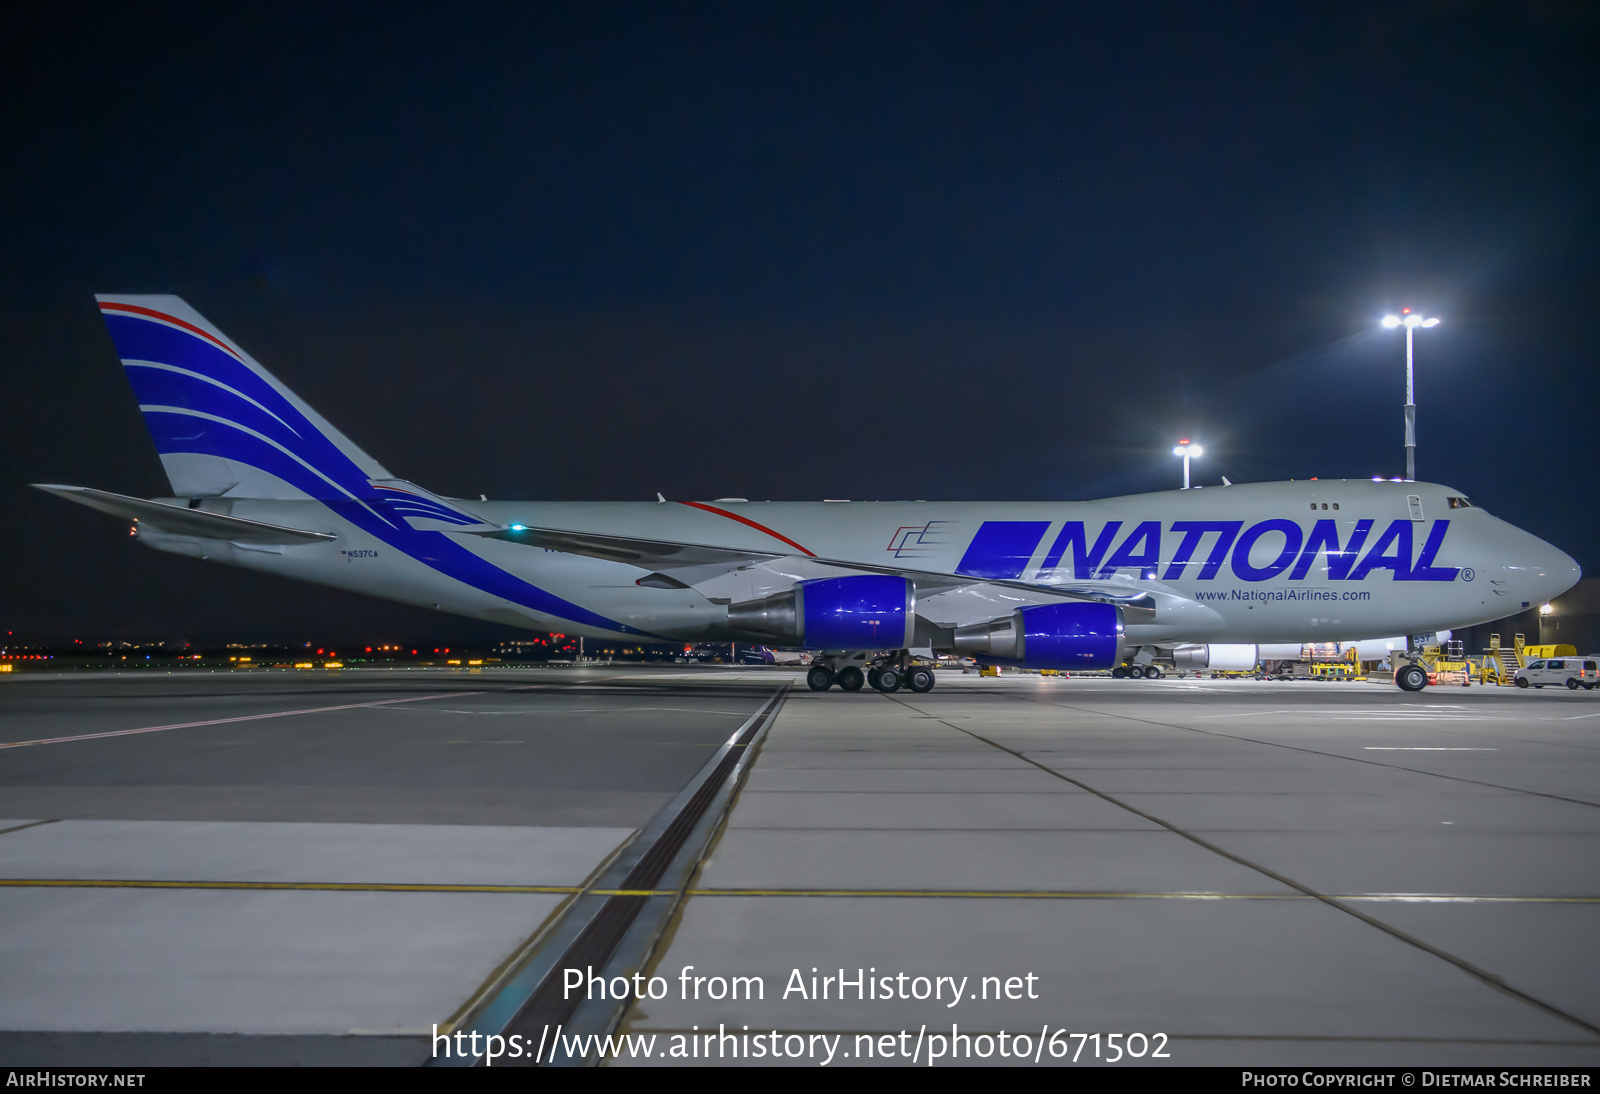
223 424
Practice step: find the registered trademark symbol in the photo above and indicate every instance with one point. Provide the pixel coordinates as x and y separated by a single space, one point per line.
1467 574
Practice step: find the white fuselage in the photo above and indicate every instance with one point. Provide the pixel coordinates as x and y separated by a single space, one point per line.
1316 561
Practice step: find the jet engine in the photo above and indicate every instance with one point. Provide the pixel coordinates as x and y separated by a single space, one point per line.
1078 635
864 612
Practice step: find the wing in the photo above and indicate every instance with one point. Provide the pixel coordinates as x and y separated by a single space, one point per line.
698 560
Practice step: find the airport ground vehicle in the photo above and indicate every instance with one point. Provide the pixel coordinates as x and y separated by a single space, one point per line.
1569 672
261 480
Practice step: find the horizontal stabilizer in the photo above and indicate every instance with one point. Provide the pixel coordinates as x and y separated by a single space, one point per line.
177 520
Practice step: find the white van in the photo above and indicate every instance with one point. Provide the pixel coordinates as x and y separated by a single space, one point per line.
1574 672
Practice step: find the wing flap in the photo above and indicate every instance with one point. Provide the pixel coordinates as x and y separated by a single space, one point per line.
186 522
651 554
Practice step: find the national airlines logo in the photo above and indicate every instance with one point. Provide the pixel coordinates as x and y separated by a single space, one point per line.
924 539
1003 550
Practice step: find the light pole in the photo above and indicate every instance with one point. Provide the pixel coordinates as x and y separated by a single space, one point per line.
1411 321
1185 449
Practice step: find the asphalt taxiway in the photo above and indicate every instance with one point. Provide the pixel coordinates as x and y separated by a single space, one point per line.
320 867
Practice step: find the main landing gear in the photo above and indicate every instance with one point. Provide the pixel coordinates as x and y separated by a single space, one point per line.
821 678
888 675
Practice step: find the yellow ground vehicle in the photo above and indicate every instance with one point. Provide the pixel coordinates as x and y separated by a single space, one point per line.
1447 665
1559 650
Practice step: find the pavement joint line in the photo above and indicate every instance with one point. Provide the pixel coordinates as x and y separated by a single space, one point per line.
238 718
1482 975
288 886
25 827
945 894
1292 748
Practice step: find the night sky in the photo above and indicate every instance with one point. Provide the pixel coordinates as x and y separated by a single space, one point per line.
874 251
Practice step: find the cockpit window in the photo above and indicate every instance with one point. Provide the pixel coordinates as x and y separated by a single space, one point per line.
1459 503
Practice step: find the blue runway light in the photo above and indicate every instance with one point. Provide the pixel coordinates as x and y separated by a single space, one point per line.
519 527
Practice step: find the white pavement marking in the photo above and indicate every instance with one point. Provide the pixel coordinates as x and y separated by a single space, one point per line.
240 718
1422 748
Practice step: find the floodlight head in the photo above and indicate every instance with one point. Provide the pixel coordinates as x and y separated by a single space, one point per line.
1391 321
1430 322
1413 320
1196 451
1180 451
1546 609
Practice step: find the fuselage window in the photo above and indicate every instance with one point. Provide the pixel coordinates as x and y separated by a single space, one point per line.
1336 505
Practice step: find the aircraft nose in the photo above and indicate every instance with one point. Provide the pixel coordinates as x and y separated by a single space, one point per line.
1545 571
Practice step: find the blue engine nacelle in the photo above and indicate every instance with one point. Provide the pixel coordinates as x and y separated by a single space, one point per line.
1076 635
863 612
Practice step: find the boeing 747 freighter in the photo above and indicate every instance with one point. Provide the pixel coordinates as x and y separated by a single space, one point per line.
1204 578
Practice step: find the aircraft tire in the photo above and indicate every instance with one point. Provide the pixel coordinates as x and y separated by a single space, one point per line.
889 680
1152 673
1411 678
819 679
872 679
1135 672
920 680
1522 681
1119 673
850 678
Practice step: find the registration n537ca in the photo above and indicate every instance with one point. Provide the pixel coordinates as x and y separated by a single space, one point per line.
1200 578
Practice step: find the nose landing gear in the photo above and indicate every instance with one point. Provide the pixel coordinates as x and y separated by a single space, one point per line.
1411 677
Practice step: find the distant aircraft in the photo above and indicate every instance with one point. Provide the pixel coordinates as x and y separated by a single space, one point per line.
1199 578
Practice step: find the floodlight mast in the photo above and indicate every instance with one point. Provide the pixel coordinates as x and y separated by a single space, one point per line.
1186 450
1411 321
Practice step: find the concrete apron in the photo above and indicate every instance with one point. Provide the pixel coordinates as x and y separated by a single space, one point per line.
270 928
893 843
